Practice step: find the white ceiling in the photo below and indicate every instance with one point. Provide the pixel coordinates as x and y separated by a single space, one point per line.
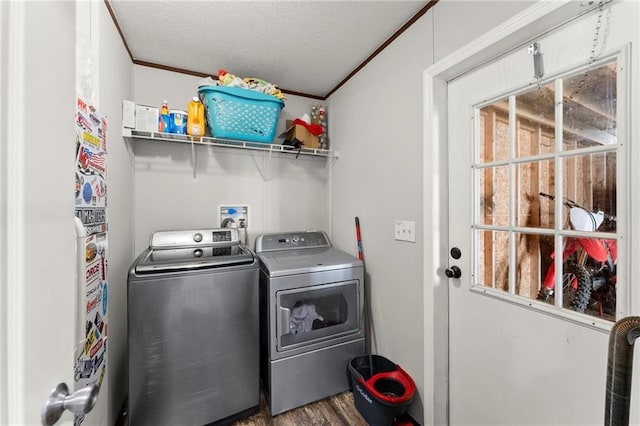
308 47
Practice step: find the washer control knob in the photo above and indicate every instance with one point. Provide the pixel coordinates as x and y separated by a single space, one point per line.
197 237
294 239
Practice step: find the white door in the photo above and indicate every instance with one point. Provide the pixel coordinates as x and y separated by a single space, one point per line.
515 359
38 300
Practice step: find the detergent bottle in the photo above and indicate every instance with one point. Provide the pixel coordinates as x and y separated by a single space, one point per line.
164 120
195 117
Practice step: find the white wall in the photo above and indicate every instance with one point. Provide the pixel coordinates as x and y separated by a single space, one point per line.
292 196
115 83
376 121
476 17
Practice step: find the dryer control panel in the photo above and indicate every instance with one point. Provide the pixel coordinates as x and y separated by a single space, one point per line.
291 241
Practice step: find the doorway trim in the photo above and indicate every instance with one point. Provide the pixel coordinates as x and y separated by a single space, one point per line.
521 29
12 222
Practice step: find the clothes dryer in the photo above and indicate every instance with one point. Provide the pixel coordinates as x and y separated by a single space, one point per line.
312 322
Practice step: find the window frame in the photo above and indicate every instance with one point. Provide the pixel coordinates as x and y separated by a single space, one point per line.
621 57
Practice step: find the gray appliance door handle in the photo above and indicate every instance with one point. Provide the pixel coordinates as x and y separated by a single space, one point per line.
283 321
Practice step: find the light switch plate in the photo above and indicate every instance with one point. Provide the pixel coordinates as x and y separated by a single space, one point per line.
405 230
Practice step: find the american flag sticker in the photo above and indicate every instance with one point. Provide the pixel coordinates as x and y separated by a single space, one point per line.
92 160
97 162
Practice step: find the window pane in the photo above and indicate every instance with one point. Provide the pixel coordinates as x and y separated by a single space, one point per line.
493 268
494 196
589 108
546 291
590 183
535 115
589 276
532 179
532 252
494 132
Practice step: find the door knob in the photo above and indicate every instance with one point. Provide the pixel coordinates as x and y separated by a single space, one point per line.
453 272
80 402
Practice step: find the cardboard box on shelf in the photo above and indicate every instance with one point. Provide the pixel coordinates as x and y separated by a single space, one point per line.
301 133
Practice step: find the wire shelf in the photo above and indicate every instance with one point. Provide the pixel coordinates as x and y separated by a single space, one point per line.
132 134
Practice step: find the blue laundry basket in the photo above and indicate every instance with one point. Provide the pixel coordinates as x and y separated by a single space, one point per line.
240 114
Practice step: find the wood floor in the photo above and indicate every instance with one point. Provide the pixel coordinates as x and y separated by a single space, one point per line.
334 411
337 410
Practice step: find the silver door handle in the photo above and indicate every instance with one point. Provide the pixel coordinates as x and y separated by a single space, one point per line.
80 402
284 319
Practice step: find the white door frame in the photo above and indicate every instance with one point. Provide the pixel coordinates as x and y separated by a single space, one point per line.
517 31
12 214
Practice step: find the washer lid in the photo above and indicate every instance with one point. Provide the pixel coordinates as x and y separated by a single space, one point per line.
193 258
299 261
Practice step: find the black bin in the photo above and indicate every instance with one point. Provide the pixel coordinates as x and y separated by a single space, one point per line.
382 390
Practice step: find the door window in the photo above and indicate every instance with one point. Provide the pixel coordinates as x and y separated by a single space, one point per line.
310 314
545 174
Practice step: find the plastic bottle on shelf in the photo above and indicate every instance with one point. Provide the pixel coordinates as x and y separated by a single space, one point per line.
195 117
178 121
164 120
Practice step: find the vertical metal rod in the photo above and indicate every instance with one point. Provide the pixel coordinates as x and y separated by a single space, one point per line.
512 193
193 159
559 193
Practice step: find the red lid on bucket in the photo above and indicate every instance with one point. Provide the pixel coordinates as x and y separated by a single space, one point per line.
399 376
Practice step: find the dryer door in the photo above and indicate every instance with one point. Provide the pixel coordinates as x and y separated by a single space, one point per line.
310 315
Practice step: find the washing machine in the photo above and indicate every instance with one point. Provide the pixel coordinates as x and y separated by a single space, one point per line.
312 317
193 334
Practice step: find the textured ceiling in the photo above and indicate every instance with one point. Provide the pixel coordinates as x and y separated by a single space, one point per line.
308 47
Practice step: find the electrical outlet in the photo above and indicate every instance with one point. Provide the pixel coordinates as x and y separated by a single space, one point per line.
405 230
